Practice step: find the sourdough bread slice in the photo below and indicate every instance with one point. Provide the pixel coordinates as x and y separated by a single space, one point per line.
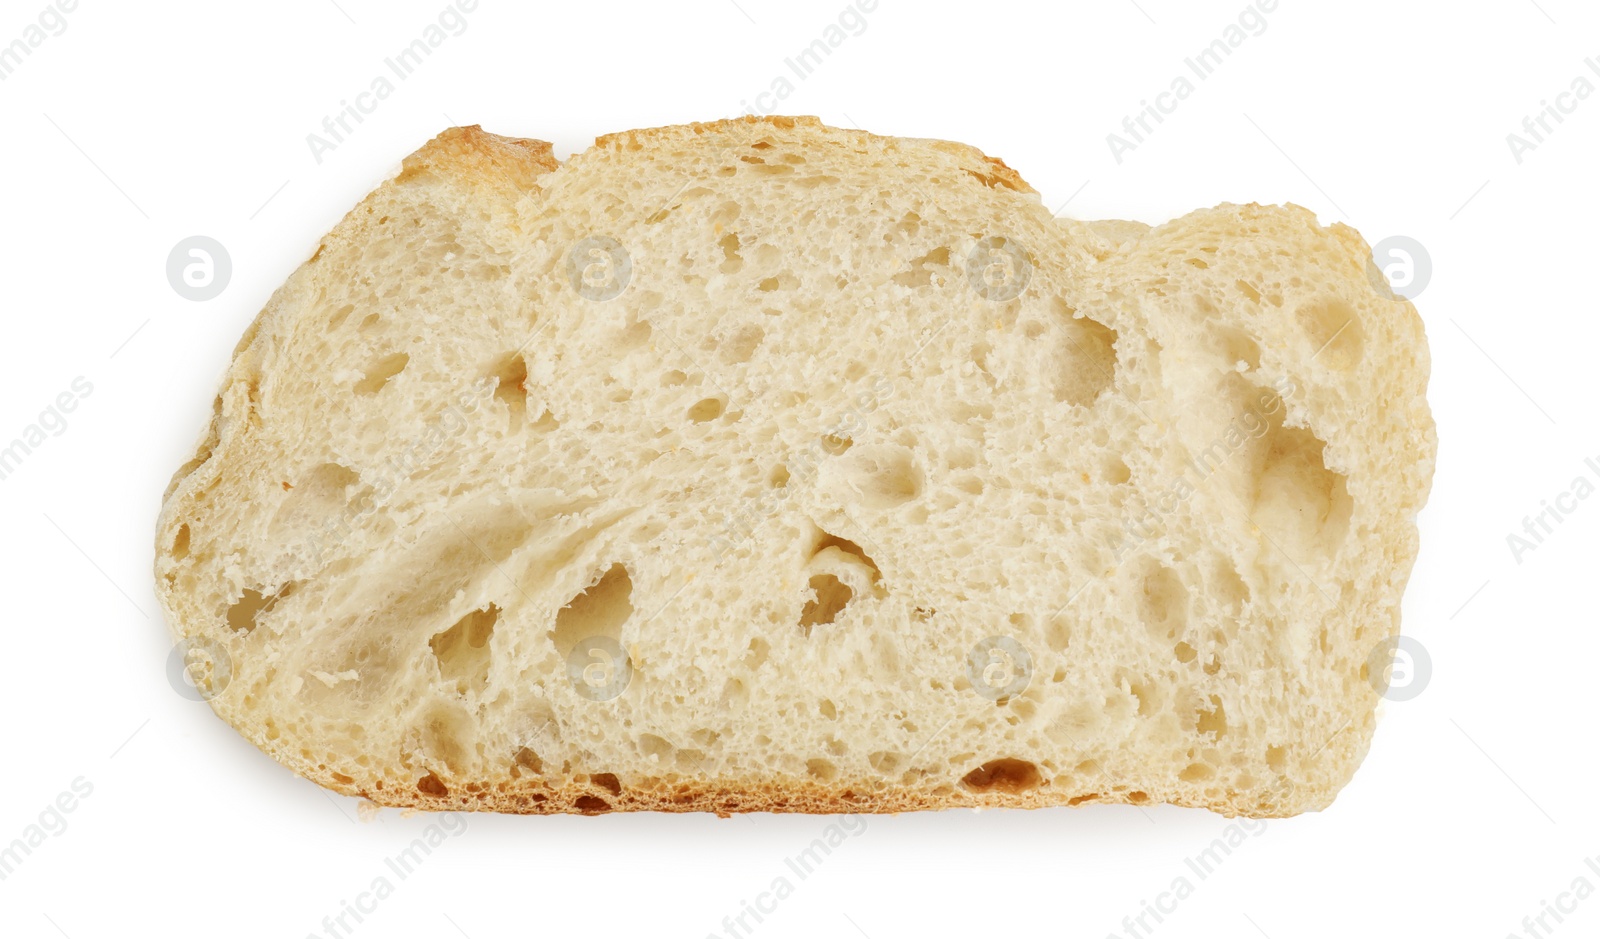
764 465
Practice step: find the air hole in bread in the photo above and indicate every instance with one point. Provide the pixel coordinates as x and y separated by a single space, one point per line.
1235 346
1058 632
380 373
1277 759
635 334
836 444
431 785
339 315
607 781
828 599
779 477
1227 587
756 653
1086 357
739 347
822 769
527 759
1147 697
462 651
448 732
545 423
314 501
245 611
1007 775
655 748
1335 331
180 543
725 214
511 386
812 182
881 476
825 541
782 281
706 409
591 805
885 762
1116 470
1298 501
1212 720
598 611
732 261
1163 601
920 273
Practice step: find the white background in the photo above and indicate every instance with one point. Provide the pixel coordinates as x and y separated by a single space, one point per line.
144 123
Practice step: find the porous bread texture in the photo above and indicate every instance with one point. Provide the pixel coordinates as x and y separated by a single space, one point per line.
897 492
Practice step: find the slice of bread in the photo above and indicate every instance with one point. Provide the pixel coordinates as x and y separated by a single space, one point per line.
762 465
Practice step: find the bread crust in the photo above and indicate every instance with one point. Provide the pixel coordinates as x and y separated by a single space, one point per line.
867 796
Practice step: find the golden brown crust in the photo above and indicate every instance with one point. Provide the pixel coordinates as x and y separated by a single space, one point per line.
991 171
470 153
601 793
635 139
